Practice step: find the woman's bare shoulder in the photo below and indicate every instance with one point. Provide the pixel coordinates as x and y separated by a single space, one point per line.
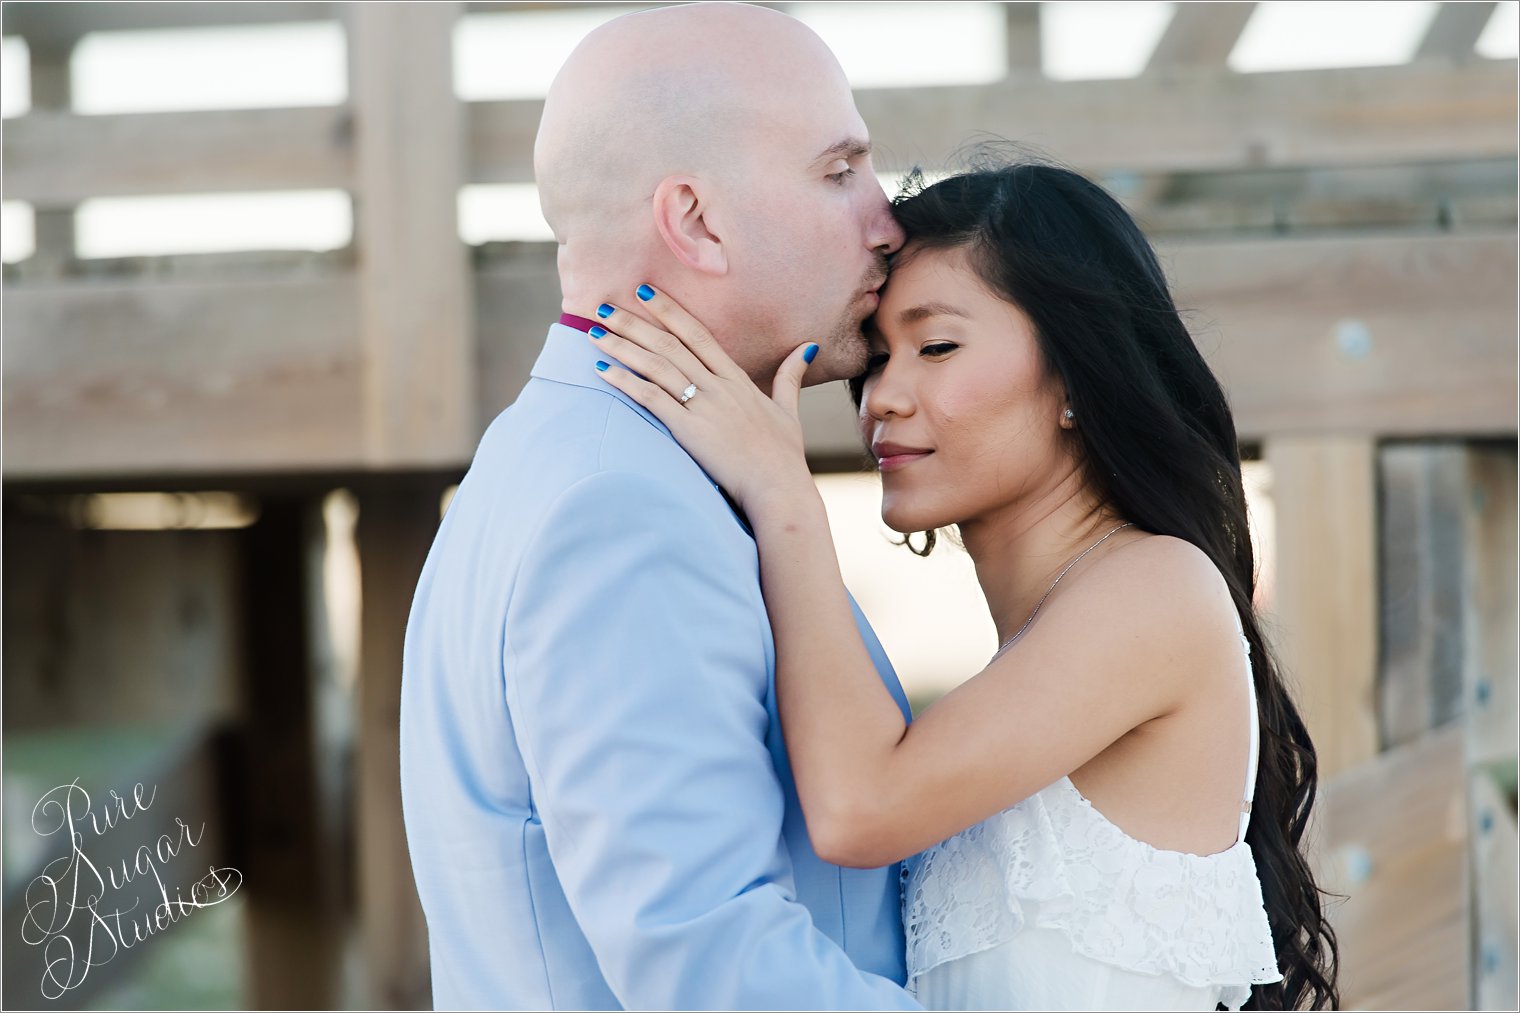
1167 594
1175 574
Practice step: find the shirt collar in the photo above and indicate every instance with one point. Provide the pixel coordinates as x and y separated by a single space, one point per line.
567 357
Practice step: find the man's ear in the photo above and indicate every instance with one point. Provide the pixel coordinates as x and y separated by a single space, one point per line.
681 215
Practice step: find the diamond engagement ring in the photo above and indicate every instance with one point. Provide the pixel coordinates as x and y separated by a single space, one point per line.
689 393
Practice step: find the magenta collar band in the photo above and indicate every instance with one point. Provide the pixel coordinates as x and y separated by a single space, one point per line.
579 323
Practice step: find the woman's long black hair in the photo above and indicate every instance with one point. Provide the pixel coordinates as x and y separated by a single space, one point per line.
1158 445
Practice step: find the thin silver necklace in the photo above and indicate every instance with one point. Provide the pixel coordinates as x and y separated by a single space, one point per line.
1009 642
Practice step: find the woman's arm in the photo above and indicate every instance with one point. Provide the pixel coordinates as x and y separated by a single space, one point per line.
1102 660
842 726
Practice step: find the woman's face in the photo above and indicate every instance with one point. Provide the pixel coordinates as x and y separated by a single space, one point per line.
957 406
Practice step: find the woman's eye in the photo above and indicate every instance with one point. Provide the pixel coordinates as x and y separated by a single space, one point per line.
941 348
840 177
876 361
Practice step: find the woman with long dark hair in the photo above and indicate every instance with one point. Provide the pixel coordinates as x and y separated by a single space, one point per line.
1111 813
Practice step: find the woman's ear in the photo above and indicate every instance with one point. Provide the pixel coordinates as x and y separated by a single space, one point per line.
681 215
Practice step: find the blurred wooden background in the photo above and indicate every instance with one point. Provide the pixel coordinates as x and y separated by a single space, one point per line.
1344 238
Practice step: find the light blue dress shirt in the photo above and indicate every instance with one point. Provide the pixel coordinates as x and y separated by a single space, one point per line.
597 797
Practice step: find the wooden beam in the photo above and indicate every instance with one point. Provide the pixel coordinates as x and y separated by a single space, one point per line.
1392 837
130 627
1200 35
1447 569
1445 195
1357 335
293 918
1206 119
1022 23
53 232
1491 674
1324 497
1423 573
1189 119
415 312
58 159
63 24
1455 31
1492 894
171 377
395 530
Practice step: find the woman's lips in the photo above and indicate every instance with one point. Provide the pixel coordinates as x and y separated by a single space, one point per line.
894 462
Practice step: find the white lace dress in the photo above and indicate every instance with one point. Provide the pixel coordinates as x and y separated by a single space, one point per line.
1049 906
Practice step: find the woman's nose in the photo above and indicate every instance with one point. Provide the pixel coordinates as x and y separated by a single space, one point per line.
886 394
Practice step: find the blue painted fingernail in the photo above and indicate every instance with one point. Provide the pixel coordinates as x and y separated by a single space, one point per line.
597 332
810 354
601 366
604 311
645 293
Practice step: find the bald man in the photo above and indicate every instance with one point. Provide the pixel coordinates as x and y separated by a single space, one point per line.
597 796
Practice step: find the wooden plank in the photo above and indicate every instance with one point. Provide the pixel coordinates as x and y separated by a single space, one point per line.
292 866
1324 496
62 23
103 627
1491 673
415 308
1022 23
178 377
1455 31
1189 119
65 23
1200 34
1494 885
53 232
1272 202
395 530
55 159
1430 181
1392 837
1423 573
1338 334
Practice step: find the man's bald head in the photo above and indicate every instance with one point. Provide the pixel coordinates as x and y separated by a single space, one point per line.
674 90
714 150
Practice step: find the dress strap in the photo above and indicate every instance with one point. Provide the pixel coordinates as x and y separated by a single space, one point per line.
1250 788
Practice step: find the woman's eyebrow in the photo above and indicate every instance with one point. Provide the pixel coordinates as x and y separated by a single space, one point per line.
923 311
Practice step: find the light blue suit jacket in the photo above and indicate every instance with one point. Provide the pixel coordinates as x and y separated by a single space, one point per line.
597 797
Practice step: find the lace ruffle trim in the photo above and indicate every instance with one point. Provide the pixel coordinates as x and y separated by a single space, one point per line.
1118 900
